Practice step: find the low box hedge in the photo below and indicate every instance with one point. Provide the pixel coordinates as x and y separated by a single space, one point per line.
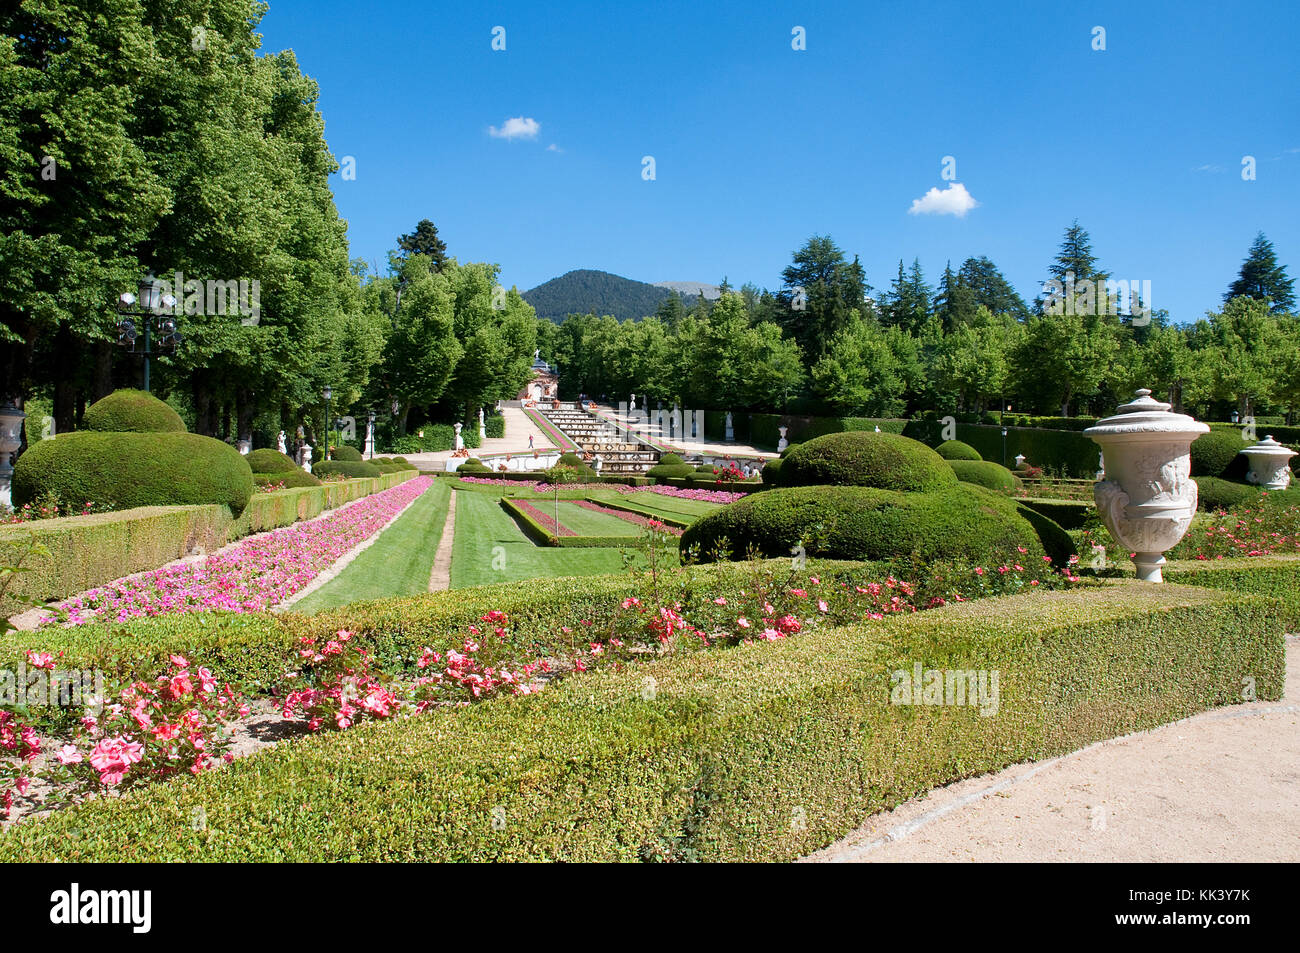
1067 514
703 756
1276 577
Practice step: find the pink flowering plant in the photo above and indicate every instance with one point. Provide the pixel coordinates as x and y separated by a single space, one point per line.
484 666
145 731
336 684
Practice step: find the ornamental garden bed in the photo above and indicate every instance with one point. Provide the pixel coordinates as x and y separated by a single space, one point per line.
690 755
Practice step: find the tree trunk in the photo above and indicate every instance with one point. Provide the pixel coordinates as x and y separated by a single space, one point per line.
65 392
203 418
102 384
244 413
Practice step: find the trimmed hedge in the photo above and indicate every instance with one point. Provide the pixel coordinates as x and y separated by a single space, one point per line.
494 425
346 454
1276 577
352 470
267 460
133 470
771 474
865 523
1213 453
1217 494
991 476
956 450
1067 514
710 764
865 458
291 479
135 411
1065 452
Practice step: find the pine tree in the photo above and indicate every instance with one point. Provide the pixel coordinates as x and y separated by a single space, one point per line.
425 241
990 289
1262 277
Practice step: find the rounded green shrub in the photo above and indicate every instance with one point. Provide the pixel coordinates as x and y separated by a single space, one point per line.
353 470
956 450
473 466
991 476
346 454
290 478
883 461
660 470
867 523
267 460
772 471
1214 452
132 411
134 469
1215 493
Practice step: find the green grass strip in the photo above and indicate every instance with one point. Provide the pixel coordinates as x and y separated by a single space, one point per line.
490 547
397 564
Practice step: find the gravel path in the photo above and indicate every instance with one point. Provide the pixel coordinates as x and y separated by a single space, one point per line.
440 575
1220 786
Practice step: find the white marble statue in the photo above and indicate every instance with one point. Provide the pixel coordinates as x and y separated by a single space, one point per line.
482 425
460 441
731 431
280 443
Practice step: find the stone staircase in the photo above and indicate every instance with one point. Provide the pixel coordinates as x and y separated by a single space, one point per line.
620 455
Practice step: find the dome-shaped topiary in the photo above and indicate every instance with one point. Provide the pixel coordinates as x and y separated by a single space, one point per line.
134 469
884 461
291 479
1217 494
771 472
956 450
864 523
132 411
1213 453
267 460
346 454
985 473
353 470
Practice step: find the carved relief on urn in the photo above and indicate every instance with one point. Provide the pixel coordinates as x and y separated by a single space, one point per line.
1147 497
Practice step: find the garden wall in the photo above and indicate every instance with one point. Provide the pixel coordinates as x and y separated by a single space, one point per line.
88 551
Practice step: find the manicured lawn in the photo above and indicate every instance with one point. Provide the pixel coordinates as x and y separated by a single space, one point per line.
587 522
399 562
490 548
657 505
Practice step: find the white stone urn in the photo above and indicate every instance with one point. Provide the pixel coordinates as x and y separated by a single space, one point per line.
306 457
782 443
1147 496
460 441
1270 464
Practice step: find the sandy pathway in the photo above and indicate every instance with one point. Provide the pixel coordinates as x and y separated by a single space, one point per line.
1220 786
440 576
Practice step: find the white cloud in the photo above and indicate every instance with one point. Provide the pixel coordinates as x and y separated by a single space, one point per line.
553 148
517 128
954 200
1208 167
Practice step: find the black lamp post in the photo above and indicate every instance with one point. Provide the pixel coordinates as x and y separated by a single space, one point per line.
370 433
150 304
329 392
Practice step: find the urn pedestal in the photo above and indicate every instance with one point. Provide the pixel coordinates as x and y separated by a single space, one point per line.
1146 496
1270 464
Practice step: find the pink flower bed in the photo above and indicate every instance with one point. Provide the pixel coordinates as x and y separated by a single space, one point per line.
642 521
548 522
258 573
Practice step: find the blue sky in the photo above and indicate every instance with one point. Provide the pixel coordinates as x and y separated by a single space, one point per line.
758 146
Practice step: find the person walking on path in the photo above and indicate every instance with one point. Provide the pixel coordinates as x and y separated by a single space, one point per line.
530 441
